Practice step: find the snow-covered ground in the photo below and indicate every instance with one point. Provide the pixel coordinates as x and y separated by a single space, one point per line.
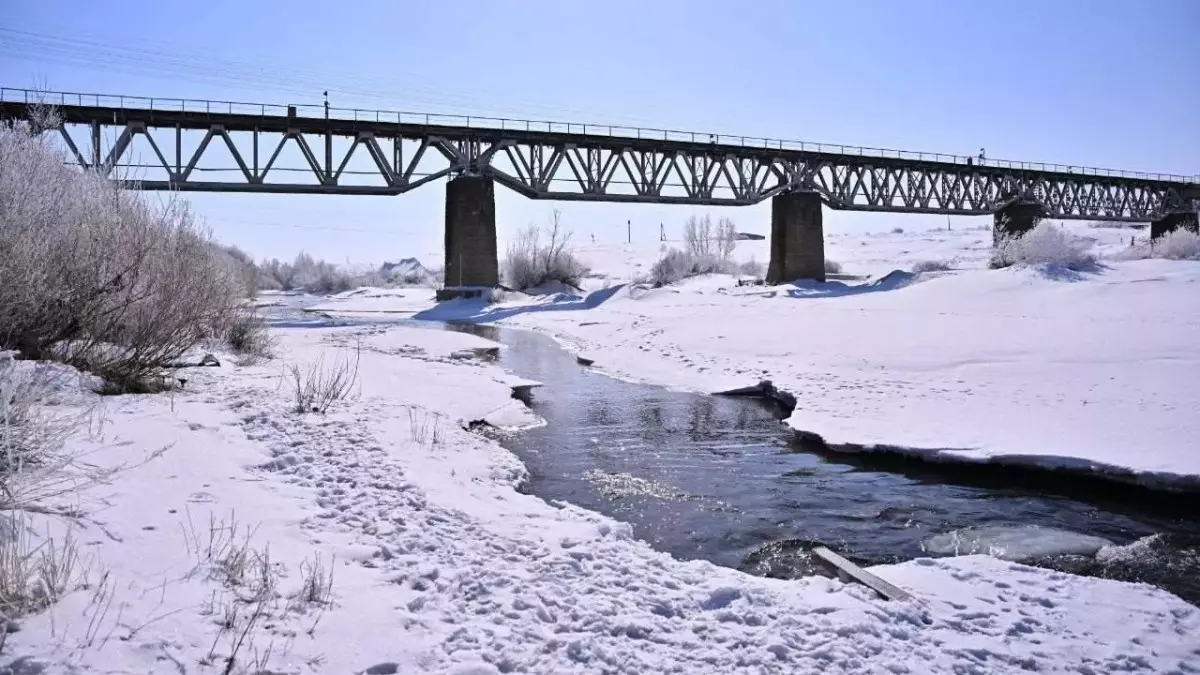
234 512
1095 370
401 300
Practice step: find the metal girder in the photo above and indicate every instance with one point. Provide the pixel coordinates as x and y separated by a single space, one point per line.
582 167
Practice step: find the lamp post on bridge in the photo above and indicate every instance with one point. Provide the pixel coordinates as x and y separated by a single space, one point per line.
328 143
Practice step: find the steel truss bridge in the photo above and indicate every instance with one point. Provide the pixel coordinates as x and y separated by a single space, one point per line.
322 150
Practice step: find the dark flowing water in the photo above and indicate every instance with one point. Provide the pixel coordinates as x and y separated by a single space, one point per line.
720 479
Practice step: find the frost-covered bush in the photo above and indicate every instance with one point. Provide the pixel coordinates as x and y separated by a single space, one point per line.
243 265
677 265
310 275
707 250
931 266
1180 244
100 277
275 275
36 466
674 266
705 243
532 261
1047 245
752 268
318 276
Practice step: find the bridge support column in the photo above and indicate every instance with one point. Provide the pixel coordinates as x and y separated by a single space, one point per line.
797 238
470 235
1015 220
1189 220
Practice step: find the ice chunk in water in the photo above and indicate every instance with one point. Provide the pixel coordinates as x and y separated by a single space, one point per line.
1014 542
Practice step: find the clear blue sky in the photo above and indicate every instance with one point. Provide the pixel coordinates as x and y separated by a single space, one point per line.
1083 82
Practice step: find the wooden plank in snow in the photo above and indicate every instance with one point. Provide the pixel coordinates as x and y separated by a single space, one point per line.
844 567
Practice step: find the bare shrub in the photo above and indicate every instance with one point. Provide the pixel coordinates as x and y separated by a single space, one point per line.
931 266
832 266
36 467
707 250
316 585
710 248
532 262
897 230
249 337
250 586
35 470
697 237
425 426
752 268
726 240
243 268
276 276
308 274
101 277
249 598
1180 244
224 553
1044 245
320 385
674 266
34 575
315 276
520 262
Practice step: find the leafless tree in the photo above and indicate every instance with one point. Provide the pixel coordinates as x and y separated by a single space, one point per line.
97 276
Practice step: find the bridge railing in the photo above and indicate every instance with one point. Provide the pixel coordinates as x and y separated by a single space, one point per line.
211 107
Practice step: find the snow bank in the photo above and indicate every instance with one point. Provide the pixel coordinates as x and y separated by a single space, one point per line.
406 270
860 254
375 300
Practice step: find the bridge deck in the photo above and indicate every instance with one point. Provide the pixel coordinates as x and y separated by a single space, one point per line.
546 160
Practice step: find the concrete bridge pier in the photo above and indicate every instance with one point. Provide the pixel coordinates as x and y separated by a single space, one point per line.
1016 219
797 238
1189 220
471 259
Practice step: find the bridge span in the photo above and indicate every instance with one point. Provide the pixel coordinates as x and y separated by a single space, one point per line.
301 149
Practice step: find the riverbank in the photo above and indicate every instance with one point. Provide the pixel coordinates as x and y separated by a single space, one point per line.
437 563
1090 371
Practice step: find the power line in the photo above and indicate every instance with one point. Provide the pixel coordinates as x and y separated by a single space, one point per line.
40 47
331 228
